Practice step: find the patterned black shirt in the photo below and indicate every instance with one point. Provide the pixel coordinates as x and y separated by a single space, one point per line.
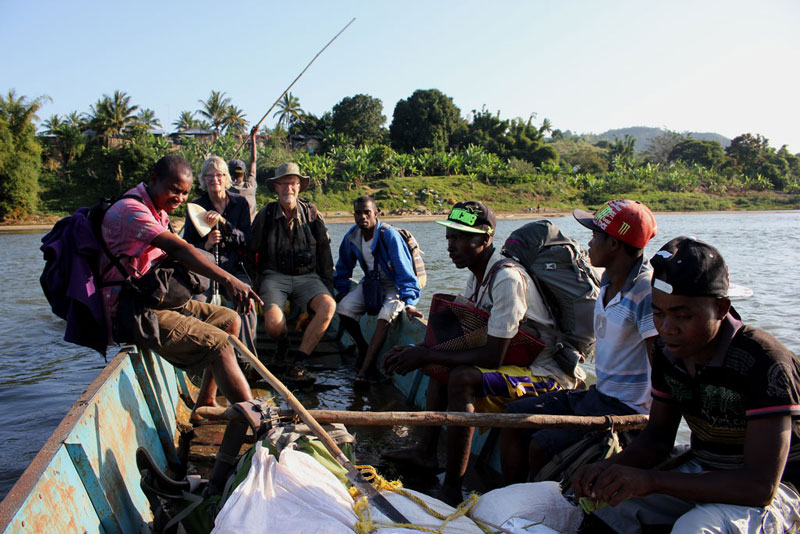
752 375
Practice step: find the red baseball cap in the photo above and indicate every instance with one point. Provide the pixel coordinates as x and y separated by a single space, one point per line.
630 221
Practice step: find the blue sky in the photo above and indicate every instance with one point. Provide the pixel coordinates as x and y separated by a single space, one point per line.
719 66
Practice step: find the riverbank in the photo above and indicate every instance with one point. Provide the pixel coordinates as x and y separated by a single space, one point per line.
47 222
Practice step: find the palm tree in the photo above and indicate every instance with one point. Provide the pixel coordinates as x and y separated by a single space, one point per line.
235 122
186 121
215 109
78 120
147 118
289 111
111 115
53 125
18 112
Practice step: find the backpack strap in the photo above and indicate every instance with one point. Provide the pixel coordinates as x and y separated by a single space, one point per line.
115 261
486 283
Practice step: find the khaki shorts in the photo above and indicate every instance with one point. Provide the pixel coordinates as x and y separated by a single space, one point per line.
193 336
276 288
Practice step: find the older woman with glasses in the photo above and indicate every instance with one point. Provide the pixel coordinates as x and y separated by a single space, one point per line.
229 215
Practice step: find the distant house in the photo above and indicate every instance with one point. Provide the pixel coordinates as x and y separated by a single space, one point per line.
195 133
311 143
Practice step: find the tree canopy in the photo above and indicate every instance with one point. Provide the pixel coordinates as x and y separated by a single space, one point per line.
427 119
360 118
708 154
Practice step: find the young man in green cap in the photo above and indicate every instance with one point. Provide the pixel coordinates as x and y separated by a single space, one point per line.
478 380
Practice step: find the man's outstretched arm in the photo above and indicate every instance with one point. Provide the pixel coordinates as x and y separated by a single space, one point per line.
180 250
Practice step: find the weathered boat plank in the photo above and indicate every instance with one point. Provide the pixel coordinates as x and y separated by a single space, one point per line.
84 479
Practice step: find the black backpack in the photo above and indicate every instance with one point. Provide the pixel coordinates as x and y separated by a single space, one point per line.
569 285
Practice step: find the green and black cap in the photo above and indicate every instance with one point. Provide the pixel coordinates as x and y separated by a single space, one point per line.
471 216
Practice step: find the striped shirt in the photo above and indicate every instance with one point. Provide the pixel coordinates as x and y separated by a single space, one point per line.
620 328
752 376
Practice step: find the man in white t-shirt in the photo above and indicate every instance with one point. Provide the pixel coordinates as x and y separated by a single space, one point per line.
477 379
624 332
375 247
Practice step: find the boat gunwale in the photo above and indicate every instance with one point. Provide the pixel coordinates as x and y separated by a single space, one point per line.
19 492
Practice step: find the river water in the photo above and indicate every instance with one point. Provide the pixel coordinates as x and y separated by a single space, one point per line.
41 376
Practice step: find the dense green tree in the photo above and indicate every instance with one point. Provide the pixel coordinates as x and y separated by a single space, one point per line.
216 109
359 117
755 157
110 115
289 111
310 124
516 138
426 119
708 154
586 158
487 130
20 156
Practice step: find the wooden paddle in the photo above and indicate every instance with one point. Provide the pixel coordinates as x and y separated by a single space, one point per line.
622 423
353 474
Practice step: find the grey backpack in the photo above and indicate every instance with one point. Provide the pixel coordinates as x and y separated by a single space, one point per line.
569 285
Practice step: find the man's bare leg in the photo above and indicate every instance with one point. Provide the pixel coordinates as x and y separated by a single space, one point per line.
207 396
368 367
275 322
352 327
324 307
462 386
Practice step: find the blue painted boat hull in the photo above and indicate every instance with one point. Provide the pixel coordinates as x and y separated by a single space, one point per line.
85 478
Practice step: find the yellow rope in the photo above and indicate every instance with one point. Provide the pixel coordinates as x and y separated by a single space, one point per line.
366 525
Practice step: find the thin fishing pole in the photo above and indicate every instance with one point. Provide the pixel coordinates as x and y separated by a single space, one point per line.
255 128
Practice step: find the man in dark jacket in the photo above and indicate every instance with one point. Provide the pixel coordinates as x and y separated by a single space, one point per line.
294 262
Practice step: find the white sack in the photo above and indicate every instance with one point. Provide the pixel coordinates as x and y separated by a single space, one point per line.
293 495
535 502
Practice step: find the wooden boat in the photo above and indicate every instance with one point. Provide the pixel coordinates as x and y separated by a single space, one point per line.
85 478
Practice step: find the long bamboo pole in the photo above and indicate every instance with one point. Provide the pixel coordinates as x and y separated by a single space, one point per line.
499 420
255 128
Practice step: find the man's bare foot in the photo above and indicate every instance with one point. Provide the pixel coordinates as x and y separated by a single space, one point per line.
198 420
413 456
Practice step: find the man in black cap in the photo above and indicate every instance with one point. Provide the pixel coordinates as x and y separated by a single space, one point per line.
245 185
478 379
737 387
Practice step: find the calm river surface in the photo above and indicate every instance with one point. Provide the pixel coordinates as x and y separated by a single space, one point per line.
41 376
